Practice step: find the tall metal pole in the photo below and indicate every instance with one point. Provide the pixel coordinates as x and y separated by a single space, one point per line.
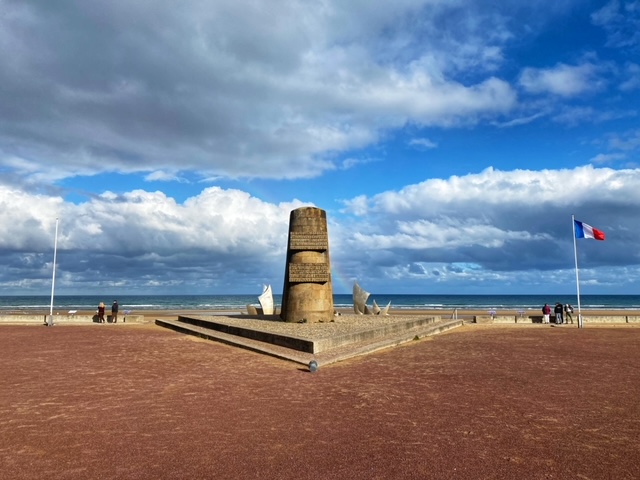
575 254
53 279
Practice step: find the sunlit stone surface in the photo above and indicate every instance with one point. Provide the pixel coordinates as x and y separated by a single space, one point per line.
308 293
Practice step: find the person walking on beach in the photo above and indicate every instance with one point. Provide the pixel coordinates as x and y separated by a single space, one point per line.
568 310
114 311
101 312
546 311
558 311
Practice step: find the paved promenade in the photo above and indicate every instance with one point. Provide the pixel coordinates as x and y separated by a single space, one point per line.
479 402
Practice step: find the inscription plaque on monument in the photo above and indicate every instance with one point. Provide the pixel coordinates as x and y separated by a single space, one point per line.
308 294
308 272
308 241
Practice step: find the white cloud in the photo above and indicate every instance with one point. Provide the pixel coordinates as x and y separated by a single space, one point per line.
504 223
423 234
351 162
492 192
626 141
563 80
213 92
358 205
602 158
423 143
138 87
163 176
142 236
521 120
514 225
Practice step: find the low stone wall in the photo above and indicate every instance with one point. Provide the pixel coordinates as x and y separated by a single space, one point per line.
504 319
595 319
66 319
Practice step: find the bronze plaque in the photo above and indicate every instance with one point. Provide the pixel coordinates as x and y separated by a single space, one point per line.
308 272
308 241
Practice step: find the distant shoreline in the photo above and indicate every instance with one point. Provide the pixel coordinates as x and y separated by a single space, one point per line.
444 313
406 304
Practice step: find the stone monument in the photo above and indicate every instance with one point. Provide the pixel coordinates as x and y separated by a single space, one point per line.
308 294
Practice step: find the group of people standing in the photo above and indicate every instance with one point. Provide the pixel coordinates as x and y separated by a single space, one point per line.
558 310
114 312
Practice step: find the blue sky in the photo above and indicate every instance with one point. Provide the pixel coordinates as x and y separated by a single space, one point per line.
449 142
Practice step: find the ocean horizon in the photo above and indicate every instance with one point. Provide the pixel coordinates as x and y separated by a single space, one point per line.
132 303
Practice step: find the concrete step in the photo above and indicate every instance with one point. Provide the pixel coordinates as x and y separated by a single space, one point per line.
363 343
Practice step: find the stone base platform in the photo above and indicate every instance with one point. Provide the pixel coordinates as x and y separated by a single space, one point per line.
325 343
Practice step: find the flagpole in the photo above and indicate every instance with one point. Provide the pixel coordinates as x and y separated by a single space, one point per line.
575 254
53 278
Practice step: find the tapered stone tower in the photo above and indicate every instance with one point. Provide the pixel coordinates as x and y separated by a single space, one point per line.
308 294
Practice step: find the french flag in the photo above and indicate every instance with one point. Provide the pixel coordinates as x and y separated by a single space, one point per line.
587 231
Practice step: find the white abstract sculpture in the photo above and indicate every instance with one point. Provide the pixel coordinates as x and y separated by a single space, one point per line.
266 300
378 311
360 297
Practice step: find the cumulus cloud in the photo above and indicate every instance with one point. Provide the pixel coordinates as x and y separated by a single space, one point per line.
563 80
501 190
142 87
500 221
490 226
144 238
211 92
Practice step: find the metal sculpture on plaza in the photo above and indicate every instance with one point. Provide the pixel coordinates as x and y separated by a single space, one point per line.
360 297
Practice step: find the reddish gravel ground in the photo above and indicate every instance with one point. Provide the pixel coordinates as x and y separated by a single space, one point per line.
140 402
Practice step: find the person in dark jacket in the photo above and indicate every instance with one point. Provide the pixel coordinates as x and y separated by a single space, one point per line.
558 311
114 311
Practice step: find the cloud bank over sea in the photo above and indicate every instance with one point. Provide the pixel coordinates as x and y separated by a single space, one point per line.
483 230
449 143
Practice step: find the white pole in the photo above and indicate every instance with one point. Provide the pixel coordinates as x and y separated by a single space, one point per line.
53 279
575 254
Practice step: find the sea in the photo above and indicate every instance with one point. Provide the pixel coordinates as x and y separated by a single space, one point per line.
449 303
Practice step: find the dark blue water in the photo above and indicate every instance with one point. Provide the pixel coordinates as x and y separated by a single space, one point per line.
238 302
